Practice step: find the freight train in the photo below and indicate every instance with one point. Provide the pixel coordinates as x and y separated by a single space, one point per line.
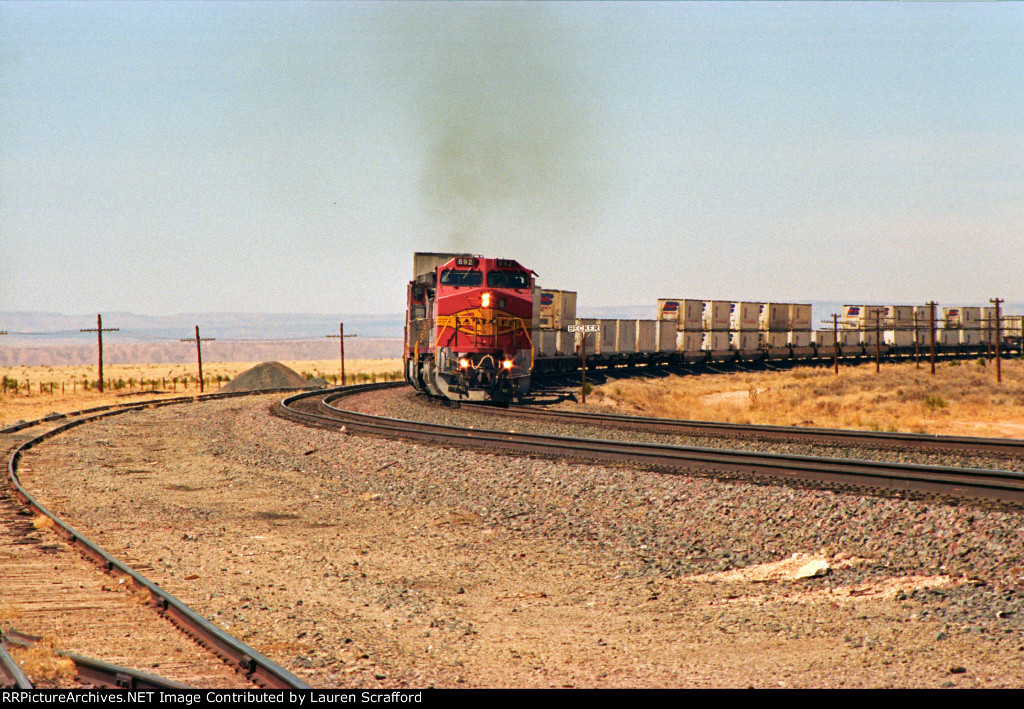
479 329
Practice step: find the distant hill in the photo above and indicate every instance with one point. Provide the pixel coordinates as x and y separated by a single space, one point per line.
179 352
35 328
54 339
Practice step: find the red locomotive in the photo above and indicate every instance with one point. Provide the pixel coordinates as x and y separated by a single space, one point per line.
467 327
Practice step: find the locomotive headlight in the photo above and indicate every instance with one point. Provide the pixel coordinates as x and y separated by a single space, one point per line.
485 300
463 362
507 364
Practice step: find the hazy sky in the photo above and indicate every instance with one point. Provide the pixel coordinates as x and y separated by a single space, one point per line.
290 157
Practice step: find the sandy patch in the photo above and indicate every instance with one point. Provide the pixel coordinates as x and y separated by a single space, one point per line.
734 398
784 570
801 566
1002 429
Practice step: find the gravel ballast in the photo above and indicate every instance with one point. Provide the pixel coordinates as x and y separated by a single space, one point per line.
419 408
358 561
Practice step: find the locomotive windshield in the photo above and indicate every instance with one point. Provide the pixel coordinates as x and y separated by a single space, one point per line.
461 278
508 279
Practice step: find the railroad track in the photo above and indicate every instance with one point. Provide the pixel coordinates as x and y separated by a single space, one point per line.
790 434
32 562
318 410
88 671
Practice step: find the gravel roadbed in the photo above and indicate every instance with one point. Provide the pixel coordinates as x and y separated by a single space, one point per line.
363 562
409 405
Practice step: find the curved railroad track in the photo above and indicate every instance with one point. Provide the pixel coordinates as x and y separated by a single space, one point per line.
318 409
790 434
222 648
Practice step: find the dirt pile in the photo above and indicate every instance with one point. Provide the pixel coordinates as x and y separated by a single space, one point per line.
269 375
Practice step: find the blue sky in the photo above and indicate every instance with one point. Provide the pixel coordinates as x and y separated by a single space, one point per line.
289 157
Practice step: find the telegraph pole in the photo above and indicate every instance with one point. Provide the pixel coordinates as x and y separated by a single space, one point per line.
99 330
199 353
878 341
931 329
835 343
917 344
341 345
999 360
583 354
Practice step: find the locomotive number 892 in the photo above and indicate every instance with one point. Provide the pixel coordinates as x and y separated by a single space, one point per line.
468 325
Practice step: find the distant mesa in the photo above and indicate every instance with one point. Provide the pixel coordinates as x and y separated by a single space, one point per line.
269 375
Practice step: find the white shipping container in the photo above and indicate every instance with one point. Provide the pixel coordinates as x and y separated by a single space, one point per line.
744 316
557 308
685 313
922 313
625 338
548 342
535 315
774 317
898 317
970 318
861 317
774 340
715 316
800 338
924 329
609 337
566 343
668 309
799 317
825 338
947 336
715 341
666 336
972 337
988 320
746 341
924 338
688 341
849 338
898 338
646 336
593 338
1012 325
951 318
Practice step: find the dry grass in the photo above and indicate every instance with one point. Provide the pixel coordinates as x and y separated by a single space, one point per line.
42 522
138 380
962 398
41 662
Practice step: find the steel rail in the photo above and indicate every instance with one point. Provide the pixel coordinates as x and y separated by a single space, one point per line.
96 672
246 660
959 482
21 425
918 441
11 675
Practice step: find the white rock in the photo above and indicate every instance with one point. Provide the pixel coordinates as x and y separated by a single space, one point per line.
812 569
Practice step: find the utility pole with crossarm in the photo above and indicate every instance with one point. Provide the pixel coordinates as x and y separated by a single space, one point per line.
199 353
99 330
341 340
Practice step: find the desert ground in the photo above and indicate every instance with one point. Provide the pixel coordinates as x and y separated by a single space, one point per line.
962 398
43 390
